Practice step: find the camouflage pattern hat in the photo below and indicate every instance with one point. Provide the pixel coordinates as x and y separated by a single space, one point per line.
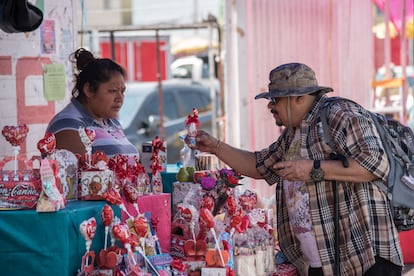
292 79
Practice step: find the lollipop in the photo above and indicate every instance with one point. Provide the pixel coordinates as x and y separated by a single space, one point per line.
107 215
112 196
131 194
88 229
207 219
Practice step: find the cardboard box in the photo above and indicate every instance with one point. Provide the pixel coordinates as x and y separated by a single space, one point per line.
19 189
213 271
92 184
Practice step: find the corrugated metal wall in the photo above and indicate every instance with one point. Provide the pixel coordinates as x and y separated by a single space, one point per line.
333 37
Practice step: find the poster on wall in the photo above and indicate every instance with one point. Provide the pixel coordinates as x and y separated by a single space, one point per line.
48 37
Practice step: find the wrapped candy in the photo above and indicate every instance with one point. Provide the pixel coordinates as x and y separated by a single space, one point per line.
192 124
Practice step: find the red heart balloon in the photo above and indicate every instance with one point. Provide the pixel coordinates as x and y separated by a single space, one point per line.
15 135
47 144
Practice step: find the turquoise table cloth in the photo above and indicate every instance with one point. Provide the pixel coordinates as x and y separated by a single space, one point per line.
50 244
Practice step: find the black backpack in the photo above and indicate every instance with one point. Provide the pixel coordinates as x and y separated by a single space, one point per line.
398 142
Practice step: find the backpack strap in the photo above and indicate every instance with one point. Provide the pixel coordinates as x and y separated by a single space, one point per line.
326 132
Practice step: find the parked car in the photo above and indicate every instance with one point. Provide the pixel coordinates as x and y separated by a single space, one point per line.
140 116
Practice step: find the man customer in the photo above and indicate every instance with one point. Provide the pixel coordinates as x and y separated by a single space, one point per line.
97 97
299 163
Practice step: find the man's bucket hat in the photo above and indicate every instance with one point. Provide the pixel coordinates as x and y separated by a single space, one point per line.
18 16
292 79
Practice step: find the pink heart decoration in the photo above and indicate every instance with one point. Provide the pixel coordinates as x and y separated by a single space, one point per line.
47 144
15 135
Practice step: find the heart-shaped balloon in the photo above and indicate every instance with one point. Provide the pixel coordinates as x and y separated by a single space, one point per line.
107 215
47 144
88 228
15 135
140 224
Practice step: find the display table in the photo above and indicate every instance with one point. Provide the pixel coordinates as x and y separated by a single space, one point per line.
34 243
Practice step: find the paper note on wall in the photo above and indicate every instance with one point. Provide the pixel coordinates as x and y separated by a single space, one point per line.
54 79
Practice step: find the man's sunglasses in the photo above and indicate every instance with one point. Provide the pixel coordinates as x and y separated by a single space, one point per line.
273 100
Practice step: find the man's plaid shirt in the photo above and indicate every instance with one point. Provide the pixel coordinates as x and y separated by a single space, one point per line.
366 228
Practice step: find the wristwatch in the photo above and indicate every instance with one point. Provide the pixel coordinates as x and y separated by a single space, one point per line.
317 174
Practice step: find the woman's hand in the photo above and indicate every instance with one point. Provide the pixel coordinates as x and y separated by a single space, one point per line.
206 142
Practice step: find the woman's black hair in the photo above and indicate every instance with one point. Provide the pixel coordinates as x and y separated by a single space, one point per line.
94 71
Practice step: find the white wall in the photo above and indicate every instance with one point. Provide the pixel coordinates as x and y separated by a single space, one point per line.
22 57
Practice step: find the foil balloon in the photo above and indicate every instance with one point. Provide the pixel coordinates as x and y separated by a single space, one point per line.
15 135
47 144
